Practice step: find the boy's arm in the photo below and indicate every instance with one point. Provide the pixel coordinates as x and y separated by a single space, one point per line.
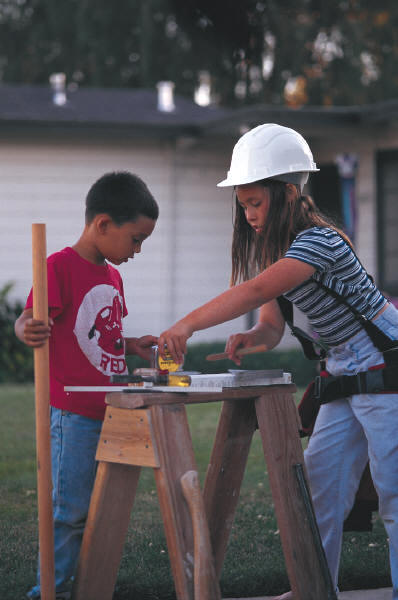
32 332
140 346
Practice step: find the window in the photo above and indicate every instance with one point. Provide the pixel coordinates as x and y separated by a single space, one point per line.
387 222
324 187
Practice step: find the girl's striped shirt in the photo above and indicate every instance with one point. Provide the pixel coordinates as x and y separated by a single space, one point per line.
336 267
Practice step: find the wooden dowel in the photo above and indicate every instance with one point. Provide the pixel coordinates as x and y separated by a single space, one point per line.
241 352
42 410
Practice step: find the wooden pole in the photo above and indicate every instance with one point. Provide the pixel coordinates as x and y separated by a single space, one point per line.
42 404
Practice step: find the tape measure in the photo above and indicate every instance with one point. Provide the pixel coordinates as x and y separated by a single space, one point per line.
163 364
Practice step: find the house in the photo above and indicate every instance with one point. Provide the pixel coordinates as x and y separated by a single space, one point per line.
55 144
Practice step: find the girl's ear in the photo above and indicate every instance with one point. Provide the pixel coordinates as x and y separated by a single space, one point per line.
291 191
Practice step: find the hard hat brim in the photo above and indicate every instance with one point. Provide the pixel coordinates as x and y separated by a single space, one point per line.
231 181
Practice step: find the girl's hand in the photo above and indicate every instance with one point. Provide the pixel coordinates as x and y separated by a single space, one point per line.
36 333
237 341
175 341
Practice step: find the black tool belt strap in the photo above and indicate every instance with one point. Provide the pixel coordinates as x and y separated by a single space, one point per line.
378 337
313 350
367 382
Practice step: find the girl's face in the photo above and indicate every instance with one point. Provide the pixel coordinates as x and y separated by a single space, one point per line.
255 200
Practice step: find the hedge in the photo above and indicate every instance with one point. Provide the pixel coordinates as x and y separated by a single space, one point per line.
16 359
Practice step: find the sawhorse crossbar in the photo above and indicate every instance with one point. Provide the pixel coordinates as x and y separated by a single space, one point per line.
151 430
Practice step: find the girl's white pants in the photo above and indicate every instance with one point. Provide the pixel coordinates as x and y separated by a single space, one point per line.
348 433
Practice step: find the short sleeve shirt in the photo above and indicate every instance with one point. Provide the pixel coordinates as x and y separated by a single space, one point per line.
338 268
86 302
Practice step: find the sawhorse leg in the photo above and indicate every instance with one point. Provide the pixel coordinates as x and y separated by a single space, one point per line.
305 563
278 423
158 437
226 470
105 531
176 459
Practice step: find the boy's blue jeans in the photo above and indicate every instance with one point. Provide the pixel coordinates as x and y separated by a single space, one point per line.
74 440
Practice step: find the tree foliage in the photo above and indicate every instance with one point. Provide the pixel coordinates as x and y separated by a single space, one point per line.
306 51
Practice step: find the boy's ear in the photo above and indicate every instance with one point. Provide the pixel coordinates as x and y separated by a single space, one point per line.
102 222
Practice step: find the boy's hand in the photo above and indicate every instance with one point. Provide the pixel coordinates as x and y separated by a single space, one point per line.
36 333
141 346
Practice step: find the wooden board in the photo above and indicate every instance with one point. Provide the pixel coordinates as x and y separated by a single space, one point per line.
105 531
126 438
129 389
278 423
139 400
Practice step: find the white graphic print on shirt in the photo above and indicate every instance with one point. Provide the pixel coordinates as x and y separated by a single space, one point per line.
98 329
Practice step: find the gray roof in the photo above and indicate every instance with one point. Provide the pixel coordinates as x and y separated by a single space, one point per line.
33 104
136 110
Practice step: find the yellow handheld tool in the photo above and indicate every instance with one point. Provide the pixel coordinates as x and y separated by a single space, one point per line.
163 364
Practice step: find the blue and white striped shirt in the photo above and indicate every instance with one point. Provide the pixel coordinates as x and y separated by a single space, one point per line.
336 267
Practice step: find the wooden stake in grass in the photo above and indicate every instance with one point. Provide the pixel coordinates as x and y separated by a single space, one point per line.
42 404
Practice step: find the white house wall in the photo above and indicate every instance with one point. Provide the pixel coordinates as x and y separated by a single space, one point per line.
45 178
204 225
186 260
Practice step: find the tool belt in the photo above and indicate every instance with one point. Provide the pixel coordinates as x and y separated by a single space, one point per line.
373 381
329 387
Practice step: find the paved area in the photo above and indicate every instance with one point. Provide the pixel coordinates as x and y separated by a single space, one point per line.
380 594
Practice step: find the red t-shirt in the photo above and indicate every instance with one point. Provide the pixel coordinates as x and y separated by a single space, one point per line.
87 304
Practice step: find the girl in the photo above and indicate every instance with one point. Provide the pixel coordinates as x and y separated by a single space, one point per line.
299 254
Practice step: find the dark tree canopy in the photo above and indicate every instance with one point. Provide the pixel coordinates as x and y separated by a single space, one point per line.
268 51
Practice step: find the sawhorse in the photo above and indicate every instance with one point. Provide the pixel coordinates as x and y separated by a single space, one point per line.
151 430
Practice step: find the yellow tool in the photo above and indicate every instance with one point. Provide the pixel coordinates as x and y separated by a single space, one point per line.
163 364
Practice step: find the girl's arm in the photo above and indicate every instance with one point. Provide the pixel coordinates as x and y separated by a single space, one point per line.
268 330
280 277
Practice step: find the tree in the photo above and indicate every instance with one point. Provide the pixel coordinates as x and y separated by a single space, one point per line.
306 51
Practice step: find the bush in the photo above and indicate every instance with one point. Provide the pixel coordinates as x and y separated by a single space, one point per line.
16 359
291 361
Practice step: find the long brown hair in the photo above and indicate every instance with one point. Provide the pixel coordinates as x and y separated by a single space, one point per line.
288 215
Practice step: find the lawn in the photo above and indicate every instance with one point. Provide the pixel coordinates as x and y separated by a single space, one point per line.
254 563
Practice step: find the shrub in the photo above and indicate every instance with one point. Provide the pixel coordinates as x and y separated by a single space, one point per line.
16 359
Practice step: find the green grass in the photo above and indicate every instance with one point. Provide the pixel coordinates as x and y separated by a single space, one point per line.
254 564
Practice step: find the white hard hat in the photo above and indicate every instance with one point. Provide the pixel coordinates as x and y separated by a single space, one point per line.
270 151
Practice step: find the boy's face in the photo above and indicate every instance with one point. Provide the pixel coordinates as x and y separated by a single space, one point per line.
118 243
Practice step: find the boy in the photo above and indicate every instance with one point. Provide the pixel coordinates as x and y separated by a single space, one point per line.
86 307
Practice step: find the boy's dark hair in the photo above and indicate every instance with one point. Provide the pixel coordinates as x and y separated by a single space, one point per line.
121 195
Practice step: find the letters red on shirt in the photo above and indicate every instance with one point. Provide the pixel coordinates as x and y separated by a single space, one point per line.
86 302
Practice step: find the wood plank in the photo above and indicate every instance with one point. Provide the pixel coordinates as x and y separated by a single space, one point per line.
126 437
176 458
225 472
139 400
105 532
278 423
